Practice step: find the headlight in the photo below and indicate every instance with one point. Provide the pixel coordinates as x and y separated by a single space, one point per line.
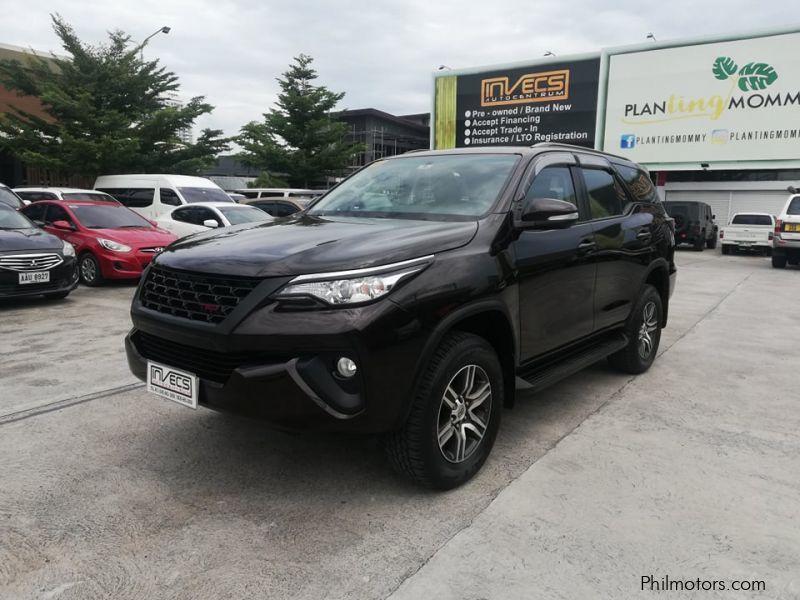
353 287
68 249
113 246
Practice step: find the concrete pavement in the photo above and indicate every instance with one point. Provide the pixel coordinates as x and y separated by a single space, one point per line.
688 470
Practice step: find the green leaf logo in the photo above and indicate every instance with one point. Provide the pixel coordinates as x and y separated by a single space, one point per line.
724 67
756 76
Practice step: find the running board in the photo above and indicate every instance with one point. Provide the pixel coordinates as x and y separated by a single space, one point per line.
539 379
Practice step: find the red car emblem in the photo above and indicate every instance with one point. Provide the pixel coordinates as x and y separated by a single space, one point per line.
210 308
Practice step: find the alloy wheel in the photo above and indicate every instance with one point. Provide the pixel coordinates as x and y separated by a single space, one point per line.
464 413
646 330
88 269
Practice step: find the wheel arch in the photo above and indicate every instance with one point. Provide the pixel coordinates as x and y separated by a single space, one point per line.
489 320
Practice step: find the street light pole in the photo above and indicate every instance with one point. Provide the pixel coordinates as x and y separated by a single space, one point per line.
163 30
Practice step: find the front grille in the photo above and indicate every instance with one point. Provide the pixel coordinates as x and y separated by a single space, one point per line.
30 262
195 296
207 364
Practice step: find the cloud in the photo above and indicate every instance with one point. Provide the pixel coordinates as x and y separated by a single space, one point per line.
381 54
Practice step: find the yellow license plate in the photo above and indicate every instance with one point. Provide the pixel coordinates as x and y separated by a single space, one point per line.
791 227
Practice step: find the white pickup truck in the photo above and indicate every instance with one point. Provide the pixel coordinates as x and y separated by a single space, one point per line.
748 231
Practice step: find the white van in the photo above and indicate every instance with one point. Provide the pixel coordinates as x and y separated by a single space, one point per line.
153 195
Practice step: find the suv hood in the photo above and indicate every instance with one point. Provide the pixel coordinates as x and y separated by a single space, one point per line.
18 240
310 244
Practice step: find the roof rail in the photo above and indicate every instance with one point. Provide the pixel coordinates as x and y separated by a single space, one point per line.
581 148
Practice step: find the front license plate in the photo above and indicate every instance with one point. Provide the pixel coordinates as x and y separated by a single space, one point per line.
172 384
34 277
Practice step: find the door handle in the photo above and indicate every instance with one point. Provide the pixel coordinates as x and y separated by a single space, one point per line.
644 234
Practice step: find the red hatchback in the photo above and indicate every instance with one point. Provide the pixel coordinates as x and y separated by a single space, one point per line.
112 241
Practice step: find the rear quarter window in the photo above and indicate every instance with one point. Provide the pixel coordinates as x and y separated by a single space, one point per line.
639 183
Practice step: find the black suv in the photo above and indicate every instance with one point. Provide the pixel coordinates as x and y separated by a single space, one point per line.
414 298
694 223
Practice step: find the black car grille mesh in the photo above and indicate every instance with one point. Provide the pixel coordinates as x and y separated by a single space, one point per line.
206 363
195 296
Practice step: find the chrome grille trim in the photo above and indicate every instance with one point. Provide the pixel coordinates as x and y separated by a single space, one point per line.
30 262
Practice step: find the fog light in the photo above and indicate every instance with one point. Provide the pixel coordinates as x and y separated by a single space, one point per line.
346 367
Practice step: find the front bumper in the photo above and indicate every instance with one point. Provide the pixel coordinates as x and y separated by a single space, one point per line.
124 265
63 278
280 366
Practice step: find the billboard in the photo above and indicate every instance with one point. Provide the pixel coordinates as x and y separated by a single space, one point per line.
714 102
554 101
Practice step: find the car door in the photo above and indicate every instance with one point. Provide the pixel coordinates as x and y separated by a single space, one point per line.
625 234
555 267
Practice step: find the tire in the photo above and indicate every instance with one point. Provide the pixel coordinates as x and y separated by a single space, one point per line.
644 334
442 405
726 249
711 242
89 269
699 243
57 295
778 261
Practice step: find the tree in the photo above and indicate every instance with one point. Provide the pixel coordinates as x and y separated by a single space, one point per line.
300 137
107 111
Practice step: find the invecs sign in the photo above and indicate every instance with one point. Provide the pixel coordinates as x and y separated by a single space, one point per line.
547 86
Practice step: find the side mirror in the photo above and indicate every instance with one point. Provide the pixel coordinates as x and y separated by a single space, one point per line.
63 225
210 223
713 216
549 213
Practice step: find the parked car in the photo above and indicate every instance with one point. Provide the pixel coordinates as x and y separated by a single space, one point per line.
33 194
193 218
9 198
694 223
414 297
112 242
279 207
236 197
786 242
279 193
153 195
33 262
748 231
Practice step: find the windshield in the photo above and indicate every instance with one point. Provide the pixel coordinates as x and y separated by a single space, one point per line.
109 217
423 187
751 220
11 219
96 196
243 214
10 198
794 206
196 194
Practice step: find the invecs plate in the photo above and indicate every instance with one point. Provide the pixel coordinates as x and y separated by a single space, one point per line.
172 384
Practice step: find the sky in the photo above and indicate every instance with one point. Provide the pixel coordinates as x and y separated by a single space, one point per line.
380 53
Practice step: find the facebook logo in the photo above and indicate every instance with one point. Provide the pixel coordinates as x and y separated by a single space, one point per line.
627 141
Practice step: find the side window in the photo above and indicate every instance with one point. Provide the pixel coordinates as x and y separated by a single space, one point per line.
606 196
552 182
34 196
132 197
35 212
57 213
639 184
283 209
169 197
183 215
267 207
271 195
